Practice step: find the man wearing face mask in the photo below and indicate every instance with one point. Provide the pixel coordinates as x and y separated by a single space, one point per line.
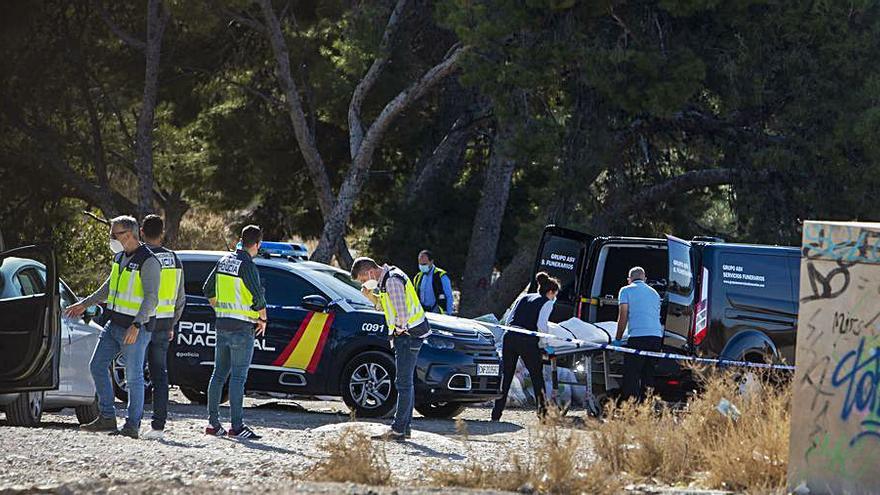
408 328
131 292
433 285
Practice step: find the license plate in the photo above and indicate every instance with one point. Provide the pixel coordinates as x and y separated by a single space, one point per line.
488 369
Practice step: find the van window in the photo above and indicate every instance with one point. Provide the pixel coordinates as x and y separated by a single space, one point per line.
559 258
681 277
755 274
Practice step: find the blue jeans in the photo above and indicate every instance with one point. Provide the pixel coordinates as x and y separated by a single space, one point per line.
232 356
109 345
157 359
406 352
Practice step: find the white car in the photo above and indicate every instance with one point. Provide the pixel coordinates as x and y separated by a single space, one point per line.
44 357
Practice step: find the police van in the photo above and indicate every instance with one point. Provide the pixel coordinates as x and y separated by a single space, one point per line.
719 300
324 338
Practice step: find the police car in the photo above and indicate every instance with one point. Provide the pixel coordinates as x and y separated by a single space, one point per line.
325 338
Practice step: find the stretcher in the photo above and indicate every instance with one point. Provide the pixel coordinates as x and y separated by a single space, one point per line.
591 366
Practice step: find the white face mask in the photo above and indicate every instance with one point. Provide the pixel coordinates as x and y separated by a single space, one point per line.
371 284
116 246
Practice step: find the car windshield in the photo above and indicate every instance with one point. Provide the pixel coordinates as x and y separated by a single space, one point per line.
341 290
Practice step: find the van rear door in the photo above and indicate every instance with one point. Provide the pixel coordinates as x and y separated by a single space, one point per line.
562 254
679 293
30 320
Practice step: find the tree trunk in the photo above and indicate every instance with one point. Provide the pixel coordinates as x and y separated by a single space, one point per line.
486 229
335 226
157 18
175 208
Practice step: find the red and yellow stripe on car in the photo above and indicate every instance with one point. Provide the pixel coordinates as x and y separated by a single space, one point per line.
304 350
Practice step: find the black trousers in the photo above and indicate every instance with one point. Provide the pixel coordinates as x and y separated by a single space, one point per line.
638 371
518 346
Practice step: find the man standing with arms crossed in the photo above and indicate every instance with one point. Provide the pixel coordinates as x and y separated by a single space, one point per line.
639 308
233 288
131 292
408 328
172 300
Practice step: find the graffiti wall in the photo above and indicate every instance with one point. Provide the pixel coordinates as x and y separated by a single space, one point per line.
835 431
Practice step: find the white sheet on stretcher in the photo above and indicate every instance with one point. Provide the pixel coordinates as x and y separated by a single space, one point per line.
573 328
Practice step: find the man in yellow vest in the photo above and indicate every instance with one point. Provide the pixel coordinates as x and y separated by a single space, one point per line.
407 327
172 301
131 292
235 292
433 285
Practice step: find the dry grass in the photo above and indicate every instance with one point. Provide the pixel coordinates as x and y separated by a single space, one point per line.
699 444
352 458
551 465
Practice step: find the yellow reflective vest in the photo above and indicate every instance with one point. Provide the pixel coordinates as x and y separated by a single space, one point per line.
414 310
233 298
126 289
169 283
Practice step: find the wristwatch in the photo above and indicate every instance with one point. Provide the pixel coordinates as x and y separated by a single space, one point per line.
263 320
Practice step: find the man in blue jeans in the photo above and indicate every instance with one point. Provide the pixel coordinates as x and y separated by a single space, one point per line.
408 328
172 301
131 292
639 314
233 289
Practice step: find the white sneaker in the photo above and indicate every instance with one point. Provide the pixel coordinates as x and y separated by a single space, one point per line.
152 434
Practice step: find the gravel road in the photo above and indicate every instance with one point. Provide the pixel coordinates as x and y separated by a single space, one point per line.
57 457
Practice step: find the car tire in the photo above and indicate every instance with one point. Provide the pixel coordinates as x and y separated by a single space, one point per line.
26 410
87 413
197 396
117 375
440 410
367 385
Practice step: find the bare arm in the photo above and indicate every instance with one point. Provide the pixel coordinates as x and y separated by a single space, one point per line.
622 317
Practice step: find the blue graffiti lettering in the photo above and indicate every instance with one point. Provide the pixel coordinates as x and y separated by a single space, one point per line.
859 372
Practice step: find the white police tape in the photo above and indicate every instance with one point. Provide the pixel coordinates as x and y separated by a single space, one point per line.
661 355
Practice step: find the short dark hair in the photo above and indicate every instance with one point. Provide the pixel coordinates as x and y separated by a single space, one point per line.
361 265
153 226
250 235
427 252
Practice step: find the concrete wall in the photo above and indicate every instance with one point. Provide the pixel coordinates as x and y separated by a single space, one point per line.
835 430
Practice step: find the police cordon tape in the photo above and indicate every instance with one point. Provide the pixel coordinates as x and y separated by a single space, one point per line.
661 355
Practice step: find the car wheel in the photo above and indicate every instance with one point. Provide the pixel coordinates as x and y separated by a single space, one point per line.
368 385
440 410
88 413
120 387
26 410
201 396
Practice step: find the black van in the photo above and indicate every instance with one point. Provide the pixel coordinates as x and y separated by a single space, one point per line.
734 301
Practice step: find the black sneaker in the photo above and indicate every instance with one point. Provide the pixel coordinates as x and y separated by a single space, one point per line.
215 431
244 433
390 436
125 431
100 424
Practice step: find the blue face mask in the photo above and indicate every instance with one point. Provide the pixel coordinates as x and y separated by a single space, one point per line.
425 268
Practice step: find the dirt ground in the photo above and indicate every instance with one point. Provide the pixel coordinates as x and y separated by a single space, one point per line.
57 457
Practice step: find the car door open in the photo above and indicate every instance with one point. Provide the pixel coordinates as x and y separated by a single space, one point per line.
679 293
562 254
30 325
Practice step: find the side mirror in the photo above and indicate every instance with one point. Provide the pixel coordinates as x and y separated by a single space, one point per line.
315 303
93 312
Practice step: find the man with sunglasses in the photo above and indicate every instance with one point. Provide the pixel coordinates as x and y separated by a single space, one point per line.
131 292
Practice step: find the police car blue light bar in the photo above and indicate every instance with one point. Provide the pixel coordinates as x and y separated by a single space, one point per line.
282 249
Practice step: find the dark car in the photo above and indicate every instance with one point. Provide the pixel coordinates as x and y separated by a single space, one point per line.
720 300
326 339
